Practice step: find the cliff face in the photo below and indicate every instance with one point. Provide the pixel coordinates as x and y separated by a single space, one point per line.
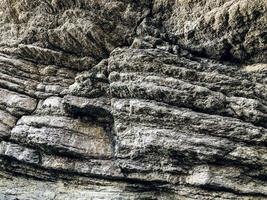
105 99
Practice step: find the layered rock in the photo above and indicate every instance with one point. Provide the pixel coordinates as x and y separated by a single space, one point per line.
133 100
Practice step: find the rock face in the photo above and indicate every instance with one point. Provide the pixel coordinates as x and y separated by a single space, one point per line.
222 29
133 99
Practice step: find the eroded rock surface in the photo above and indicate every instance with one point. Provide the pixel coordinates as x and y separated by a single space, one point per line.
133 99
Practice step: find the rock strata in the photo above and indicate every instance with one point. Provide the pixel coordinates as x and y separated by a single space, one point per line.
118 99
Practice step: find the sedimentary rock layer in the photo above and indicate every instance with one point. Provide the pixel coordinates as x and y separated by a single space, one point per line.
133 99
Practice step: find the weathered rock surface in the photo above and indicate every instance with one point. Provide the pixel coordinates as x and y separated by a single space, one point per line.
133 99
223 29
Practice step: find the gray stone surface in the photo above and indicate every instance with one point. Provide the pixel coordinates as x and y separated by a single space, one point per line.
119 99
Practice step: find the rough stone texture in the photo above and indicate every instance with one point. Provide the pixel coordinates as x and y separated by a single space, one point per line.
223 29
133 99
